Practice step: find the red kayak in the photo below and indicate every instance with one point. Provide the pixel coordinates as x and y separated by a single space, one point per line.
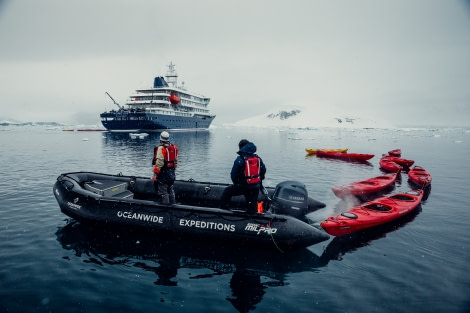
348 156
365 187
395 152
400 161
420 176
387 164
373 213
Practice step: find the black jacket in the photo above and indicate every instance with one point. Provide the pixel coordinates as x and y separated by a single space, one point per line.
238 170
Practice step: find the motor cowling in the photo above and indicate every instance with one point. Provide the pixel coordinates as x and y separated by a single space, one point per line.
290 198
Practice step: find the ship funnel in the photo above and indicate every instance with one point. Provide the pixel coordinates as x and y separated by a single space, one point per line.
159 82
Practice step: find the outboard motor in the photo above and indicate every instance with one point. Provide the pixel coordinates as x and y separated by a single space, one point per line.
290 198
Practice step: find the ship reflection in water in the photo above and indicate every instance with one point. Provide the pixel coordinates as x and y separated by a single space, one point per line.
247 266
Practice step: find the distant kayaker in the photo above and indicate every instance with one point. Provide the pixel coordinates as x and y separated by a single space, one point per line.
247 173
165 160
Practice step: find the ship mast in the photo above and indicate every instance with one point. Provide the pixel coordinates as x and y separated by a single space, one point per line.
172 76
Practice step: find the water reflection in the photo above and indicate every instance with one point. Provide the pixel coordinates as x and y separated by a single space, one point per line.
134 155
191 141
253 271
247 290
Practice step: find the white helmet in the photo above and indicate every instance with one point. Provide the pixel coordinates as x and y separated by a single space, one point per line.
165 137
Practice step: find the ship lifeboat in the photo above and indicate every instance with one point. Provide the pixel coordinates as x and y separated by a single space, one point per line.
174 99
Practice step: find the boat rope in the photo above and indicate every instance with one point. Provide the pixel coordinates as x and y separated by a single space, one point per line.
272 237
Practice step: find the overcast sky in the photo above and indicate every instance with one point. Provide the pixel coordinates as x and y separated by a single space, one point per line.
405 60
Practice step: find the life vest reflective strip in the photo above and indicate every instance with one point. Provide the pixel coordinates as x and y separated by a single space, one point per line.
170 154
252 170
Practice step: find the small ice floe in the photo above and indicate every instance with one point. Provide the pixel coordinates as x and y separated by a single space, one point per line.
138 135
85 139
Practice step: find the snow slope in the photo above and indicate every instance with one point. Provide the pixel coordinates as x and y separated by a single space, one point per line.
311 117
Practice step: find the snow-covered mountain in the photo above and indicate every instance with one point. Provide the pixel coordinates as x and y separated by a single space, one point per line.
16 123
307 117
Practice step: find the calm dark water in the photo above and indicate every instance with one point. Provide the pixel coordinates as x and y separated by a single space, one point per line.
49 263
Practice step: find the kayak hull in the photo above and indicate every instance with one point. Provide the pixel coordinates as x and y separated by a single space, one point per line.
365 187
373 213
314 151
420 176
346 156
400 161
388 165
395 152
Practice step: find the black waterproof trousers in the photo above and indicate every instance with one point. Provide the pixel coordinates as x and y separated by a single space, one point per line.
249 191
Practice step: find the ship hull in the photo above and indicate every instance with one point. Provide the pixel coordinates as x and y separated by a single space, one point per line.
125 121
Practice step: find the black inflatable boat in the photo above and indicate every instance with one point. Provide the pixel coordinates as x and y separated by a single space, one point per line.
127 201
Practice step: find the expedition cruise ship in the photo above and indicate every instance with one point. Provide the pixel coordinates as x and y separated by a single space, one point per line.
165 106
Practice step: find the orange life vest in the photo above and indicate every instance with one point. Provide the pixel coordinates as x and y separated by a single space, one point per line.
170 154
252 170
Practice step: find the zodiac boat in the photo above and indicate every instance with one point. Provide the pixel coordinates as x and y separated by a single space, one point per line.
130 202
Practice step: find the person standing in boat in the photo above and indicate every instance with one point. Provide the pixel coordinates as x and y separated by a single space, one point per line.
165 160
247 173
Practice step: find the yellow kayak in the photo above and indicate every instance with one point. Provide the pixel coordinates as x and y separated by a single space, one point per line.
314 151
